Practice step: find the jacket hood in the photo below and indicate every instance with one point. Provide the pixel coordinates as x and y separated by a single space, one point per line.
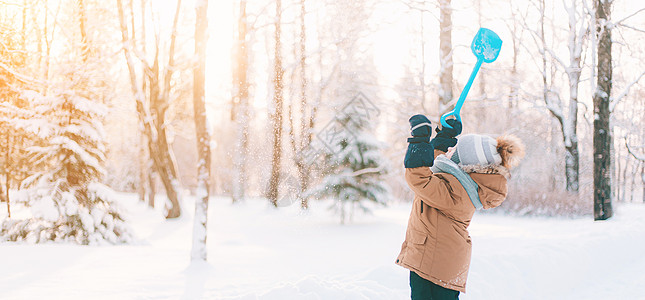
491 180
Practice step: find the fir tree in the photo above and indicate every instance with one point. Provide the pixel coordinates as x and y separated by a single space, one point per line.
66 199
354 168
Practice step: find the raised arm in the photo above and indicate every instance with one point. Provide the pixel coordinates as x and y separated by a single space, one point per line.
433 189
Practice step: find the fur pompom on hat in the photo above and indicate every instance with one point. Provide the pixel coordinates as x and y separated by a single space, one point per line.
511 149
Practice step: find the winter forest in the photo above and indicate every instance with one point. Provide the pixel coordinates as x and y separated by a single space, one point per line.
195 149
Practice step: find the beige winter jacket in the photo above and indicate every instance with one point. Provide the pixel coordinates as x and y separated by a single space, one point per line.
437 246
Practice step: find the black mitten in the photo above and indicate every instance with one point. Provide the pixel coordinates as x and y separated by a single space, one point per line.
445 137
420 152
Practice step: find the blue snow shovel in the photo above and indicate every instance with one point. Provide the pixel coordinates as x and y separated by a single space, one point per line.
486 46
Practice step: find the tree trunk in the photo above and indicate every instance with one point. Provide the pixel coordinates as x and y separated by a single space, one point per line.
643 181
147 172
601 135
303 174
199 250
241 106
143 170
8 170
152 116
546 93
2 195
152 192
567 116
165 164
571 163
165 148
445 56
272 193
306 127
570 131
7 187
82 21
45 71
39 41
632 186
23 35
482 78
545 83
513 94
422 73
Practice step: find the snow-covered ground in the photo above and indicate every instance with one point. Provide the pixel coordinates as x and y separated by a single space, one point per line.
257 252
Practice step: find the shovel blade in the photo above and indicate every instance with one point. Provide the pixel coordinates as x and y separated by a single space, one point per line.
486 45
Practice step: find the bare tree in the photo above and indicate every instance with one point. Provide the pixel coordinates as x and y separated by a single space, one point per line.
445 56
566 112
516 40
601 98
413 85
240 110
482 77
640 158
202 133
147 176
624 120
152 107
422 70
302 139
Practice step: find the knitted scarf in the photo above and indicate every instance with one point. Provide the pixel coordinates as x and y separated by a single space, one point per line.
444 165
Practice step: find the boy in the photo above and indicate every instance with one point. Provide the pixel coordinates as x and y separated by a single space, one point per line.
448 188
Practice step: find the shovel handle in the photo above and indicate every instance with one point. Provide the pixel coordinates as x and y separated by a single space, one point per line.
462 98
448 114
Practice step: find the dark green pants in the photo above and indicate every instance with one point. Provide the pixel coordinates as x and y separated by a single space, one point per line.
425 290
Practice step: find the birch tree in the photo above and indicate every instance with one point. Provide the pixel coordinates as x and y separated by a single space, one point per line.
202 133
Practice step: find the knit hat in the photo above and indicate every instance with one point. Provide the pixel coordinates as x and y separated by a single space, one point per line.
475 149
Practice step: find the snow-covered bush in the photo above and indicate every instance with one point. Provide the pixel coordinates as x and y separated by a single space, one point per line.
534 200
61 217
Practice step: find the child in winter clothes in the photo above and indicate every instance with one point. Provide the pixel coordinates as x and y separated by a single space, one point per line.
448 188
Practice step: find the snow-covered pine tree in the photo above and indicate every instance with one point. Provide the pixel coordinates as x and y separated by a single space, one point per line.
67 201
354 169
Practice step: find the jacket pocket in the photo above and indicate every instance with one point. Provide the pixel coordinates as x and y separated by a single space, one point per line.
416 246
